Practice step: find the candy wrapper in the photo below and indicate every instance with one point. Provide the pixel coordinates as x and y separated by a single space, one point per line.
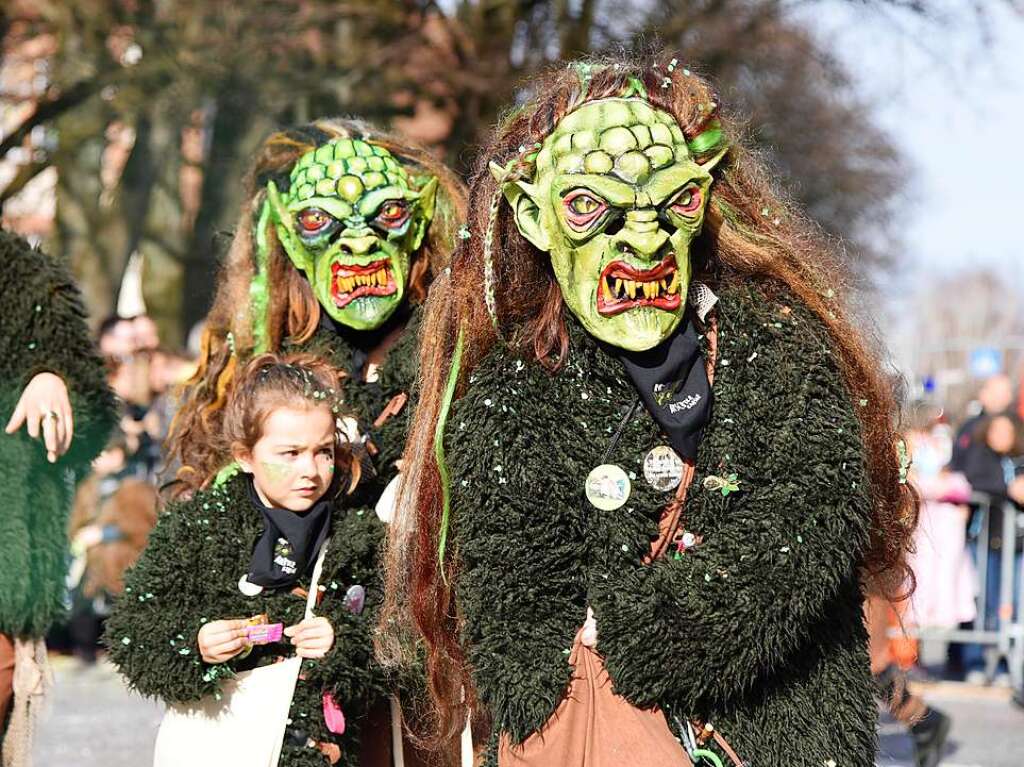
259 631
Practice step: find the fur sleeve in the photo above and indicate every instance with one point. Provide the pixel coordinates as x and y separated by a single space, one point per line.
779 562
43 329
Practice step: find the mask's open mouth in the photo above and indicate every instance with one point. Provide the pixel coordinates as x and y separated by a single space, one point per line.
624 287
352 281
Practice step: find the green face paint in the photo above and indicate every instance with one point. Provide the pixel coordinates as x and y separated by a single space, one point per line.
350 220
277 472
616 201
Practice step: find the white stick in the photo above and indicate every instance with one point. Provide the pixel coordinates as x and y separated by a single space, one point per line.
398 754
467 744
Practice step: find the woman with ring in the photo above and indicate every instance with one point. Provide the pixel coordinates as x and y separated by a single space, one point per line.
58 412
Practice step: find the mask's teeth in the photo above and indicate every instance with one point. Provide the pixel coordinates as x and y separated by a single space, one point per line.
674 285
606 290
619 290
631 289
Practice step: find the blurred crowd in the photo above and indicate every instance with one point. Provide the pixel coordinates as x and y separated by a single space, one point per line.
116 508
970 474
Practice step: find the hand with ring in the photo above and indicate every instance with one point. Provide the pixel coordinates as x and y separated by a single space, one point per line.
45 409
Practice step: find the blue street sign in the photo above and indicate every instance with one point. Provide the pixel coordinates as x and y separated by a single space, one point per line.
985 361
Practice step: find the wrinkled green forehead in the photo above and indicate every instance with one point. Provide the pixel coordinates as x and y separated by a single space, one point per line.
622 137
345 168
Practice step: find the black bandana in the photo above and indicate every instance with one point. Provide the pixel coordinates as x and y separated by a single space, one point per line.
290 542
673 385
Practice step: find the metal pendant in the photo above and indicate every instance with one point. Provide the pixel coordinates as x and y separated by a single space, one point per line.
663 468
607 487
247 588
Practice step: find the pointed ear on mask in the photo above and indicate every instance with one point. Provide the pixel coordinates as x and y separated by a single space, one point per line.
714 160
284 227
522 198
425 201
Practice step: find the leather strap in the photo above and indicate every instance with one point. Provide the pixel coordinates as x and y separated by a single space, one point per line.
393 408
669 526
671 517
729 751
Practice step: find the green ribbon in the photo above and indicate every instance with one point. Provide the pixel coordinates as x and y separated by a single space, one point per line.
442 468
259 299
702 754
635 87
226 473
707 139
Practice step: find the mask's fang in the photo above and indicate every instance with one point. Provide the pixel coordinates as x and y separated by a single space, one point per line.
352 281
624 286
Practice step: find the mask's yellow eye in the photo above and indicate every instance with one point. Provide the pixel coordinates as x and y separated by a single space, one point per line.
584 204
582 209
393 214
688 202
312 220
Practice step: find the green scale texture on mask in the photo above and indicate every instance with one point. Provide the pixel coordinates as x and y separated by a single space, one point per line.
346 169
351 220
616 200
638 141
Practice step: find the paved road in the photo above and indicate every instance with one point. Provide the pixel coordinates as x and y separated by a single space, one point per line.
96 722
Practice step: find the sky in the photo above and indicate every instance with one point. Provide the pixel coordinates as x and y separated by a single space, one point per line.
950 93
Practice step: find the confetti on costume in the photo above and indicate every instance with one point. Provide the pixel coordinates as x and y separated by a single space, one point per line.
599 269
342 233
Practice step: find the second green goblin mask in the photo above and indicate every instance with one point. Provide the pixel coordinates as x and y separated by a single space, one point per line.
616 201
350 220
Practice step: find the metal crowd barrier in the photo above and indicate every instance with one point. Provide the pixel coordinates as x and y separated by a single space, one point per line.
1006 639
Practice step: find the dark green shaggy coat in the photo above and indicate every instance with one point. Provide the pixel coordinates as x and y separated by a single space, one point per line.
42 329
188 575
758 629
365 401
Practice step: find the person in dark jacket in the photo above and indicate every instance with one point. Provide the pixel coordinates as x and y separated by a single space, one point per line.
241 555
58 412
995 397
342 232
993 465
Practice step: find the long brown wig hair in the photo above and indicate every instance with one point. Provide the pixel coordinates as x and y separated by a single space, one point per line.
750 234
294 312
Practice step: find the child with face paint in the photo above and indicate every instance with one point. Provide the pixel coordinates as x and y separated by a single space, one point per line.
267 573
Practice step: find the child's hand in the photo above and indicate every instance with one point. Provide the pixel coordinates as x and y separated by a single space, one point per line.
220 641
589 636
312 638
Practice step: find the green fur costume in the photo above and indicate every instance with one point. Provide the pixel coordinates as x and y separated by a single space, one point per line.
189 575
365 400
758 629
42 329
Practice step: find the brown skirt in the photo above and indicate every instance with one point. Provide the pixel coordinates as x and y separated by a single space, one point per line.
594 727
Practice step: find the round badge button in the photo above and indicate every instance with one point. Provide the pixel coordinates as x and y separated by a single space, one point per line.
663 468
607 487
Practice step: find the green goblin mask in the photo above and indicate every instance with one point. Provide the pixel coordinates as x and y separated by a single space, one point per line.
351 220
616 201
